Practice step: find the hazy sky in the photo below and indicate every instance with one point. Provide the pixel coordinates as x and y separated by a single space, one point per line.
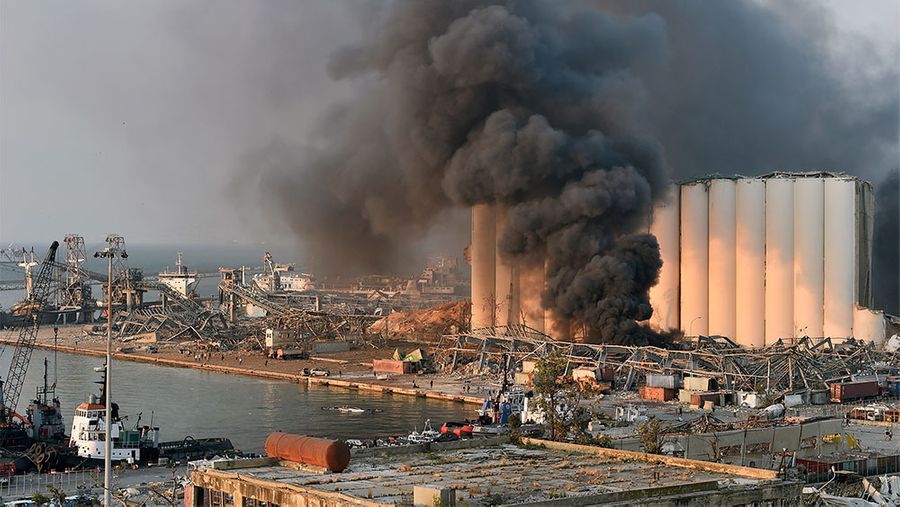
133 117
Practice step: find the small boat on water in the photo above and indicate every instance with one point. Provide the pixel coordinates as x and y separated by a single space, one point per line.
426 436
354 410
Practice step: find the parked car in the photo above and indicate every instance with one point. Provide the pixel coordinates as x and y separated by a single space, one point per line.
316 372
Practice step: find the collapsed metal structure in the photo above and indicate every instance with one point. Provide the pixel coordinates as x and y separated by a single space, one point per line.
305 319
781 367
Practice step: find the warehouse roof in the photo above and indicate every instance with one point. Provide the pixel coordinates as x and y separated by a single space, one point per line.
508 473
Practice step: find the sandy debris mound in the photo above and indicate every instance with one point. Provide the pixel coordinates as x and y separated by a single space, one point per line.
428 323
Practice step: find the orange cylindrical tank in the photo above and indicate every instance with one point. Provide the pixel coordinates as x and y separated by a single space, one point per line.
331 454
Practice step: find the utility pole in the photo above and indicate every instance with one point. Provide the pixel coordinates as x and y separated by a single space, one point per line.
108 253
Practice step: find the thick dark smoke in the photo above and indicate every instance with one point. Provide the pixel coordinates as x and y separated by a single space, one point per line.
568 114
748 89
886 254
531 105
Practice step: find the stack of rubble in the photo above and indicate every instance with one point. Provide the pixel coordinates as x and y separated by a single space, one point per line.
422 324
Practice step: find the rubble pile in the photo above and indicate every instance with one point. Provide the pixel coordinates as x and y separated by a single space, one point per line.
420 324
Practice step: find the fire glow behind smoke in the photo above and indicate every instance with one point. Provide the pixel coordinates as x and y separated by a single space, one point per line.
545 108
525 104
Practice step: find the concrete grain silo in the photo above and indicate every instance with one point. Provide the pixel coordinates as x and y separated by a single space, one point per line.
664 296
694 258
484 260
840 256
531 284
750 262
779 266
809 256
507 279
781 256
722 256
755 259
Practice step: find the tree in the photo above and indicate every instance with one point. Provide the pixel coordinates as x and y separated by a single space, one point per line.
652 435
56 495
40 499
559 397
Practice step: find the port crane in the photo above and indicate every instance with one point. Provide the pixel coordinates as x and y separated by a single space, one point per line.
12 386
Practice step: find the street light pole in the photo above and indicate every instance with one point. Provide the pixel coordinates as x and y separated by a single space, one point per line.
691 327
108 253
107 448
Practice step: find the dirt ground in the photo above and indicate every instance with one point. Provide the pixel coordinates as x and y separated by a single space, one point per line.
355 364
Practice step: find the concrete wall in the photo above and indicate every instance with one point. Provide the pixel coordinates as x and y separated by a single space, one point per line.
282 494
754 447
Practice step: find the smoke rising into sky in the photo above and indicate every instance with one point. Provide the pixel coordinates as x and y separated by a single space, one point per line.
200 124
529 105
572 118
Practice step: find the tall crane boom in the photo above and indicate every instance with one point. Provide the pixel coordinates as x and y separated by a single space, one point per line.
12 388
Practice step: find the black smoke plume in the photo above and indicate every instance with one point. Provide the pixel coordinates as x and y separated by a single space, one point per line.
530 105
561 112
886 251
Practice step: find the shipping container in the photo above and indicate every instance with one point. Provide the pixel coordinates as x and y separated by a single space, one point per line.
684 395
667 381
849 391
700 398
392 366
657 393
699 383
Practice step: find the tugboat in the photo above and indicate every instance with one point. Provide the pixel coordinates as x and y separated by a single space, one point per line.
139 445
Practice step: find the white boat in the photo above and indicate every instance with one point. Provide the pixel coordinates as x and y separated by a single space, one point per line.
346 410
89 436
427 435
89 431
